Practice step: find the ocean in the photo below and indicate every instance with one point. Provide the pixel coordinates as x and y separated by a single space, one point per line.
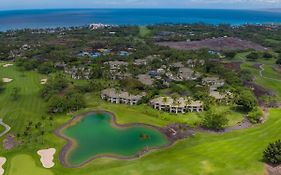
19 19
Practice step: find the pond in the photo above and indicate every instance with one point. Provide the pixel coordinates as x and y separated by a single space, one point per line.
97 135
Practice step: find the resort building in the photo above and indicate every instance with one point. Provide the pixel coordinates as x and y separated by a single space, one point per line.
188 74
145 79
78 73
140 62
222 97
114 96
213 81
115 65
180 105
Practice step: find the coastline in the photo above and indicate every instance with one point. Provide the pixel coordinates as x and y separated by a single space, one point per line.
66 18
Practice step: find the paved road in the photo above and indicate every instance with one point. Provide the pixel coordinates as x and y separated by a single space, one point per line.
7 128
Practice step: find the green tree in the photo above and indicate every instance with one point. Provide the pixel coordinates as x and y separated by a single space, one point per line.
247 100
253 56
15 93
45 68
272 153
278 61
214 120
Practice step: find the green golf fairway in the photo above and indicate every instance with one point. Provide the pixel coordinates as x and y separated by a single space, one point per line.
96 135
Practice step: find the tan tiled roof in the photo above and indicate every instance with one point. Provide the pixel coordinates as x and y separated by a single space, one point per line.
180 102
113 93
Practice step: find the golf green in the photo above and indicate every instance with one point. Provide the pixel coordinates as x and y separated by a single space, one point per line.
97 135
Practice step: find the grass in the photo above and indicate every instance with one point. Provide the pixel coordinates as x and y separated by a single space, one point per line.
269 73
29 106
23 164
146 114
2 128
234 153
265 82
144 31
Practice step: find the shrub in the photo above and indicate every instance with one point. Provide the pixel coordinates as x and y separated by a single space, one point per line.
255 115
246 99
272 153
278 61
253 56
214 120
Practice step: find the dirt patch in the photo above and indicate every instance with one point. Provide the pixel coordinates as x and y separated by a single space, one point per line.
257 66
217 44
235 66
273 170
9 142
278 69
259 91
177 131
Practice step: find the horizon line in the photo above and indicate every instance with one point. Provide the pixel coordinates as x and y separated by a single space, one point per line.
140 8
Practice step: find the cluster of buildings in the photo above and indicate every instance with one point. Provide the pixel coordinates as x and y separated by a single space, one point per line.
168 104
96 26
214 83
118 69
102 52
19 52
180 105
114 96
78 73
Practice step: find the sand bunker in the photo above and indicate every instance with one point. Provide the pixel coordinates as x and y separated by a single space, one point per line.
7 80
7 65
44 81
2 162
47 157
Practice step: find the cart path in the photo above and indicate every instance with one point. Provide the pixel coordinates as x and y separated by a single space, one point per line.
261 75
7 128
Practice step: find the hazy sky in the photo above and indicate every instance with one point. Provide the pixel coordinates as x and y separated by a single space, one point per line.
35 4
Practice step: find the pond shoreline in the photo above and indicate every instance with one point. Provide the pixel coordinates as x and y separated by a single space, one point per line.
71 142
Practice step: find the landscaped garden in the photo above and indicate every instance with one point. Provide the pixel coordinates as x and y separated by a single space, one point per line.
175 112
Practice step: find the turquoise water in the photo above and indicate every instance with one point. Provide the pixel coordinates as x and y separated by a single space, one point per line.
96 135
76 17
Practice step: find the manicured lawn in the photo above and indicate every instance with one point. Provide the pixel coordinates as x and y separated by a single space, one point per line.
144 31
23 164
29 106
265 82
148 115
2 128
268 72
234 153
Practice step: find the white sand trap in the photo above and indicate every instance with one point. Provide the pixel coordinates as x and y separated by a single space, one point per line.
44 81
2 162
47 157
7 65
7 80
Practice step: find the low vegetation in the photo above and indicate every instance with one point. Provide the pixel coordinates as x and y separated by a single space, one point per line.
272 154
74 81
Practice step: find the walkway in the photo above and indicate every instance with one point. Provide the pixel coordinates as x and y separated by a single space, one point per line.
7 128
261 75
